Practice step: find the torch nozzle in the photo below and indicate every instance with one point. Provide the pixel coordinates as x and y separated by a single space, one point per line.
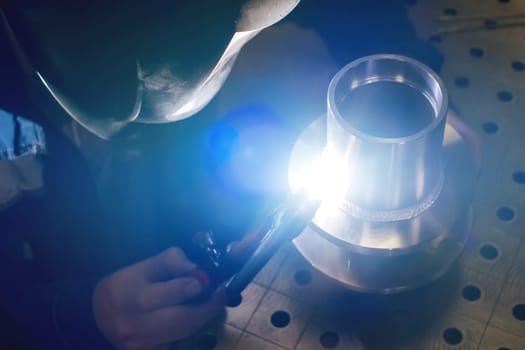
286 223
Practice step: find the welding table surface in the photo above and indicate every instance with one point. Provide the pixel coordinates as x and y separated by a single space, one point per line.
480 303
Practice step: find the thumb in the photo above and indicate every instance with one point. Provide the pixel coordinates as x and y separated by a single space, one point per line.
168 264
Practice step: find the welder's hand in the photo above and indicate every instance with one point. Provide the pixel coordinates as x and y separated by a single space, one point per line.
145 306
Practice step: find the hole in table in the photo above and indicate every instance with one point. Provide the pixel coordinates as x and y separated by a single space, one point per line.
329 340
471 293
435 38
476 52
207 342
519 177
503 1
518 311
488 252
504 96
450 11
280 319
490 128
303 277
518 66
234 301
505 214
490 23
452 336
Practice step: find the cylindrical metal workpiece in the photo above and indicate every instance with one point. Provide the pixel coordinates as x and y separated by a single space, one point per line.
386 119
399 177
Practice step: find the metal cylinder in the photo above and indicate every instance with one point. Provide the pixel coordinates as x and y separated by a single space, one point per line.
401 214
386 118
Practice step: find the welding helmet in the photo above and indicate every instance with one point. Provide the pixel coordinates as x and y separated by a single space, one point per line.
110 63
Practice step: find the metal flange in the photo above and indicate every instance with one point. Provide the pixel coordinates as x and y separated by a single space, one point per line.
405 237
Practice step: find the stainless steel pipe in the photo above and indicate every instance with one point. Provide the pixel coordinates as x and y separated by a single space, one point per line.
386 118
403 212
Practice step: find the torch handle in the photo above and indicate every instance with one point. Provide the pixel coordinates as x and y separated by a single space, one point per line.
287 224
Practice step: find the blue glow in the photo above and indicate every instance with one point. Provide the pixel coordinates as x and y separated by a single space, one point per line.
222 141
248 150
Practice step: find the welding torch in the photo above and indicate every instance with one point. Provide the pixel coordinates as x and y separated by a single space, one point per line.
281 226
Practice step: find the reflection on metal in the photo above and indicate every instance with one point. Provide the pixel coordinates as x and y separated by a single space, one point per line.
404 215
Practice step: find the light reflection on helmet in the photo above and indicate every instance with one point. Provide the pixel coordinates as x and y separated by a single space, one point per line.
108 64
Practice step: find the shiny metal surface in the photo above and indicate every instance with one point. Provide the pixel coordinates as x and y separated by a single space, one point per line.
396 173
386 257
406 214
396 236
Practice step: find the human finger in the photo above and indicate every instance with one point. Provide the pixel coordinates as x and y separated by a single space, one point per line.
168 264
169 293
